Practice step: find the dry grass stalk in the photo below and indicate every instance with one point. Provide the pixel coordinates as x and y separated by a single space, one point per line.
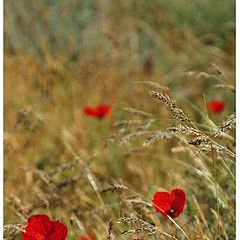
44 176
16 203
199 137
143 226
138 204
137 112
221 225
177 112
115 188
222 77
200 212
64 167
217 69
133 123
186 129
225 87
68 182
147 124
152 85
43 198
156 136
110 229
226 126
21 117
201 140
10 231
127 138
126 123
198 75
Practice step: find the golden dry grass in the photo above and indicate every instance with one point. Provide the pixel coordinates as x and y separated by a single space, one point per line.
98 176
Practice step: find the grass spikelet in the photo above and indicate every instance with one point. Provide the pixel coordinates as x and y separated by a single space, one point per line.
115 188
127 123
10 231
200 140
217 69
176 112
143 226
226 126
156 136
225 87
130 137
110 229
19 208
186 129
137 112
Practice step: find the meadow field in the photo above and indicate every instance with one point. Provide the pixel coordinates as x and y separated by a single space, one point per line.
165 73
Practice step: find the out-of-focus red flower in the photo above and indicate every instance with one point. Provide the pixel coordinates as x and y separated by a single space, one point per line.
40 227
169 203
99 111
215 106
88 237
148 67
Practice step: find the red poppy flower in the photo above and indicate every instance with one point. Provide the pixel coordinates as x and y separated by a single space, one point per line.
99 111
89 237
40 227
169 203
216 106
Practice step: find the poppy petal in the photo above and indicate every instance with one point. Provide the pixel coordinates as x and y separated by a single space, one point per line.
90 111
178 201
169 203
38 225
162 202
216 106
103 110
99 111
58 231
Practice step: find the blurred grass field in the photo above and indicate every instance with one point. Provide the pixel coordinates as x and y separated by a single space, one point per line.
63 55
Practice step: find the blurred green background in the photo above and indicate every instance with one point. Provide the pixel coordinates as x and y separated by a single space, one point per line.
76 25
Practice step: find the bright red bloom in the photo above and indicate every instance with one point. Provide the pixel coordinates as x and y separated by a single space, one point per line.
88 237
40 227
99 111
216 106
169 203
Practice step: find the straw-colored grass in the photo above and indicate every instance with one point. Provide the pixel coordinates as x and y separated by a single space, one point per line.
157 65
